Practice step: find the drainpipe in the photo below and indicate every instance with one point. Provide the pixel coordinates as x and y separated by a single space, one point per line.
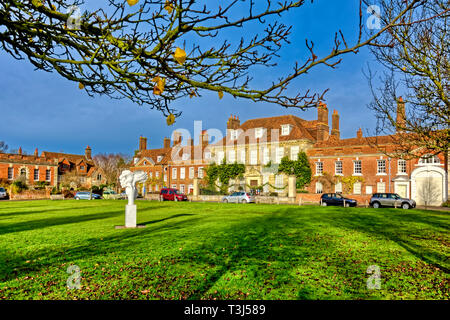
389 160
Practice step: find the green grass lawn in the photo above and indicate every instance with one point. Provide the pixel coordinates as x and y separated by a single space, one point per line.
221 251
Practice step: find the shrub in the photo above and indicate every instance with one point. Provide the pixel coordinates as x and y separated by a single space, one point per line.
18 186
5 183
273 194
68 194
41 185
302 191
55 191
446 204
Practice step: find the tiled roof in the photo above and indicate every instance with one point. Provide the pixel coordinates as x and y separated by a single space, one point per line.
299 128
29 159
74 158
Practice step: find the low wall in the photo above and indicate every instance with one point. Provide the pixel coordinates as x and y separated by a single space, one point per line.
314 198
30 195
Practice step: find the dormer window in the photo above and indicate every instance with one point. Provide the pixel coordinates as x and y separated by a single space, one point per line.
136 160
429 159
159 158
185 156
285 129
233 134
259 133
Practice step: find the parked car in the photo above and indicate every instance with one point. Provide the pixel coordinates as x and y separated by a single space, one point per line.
336 199
171 194
110 194
391 200
86 195
239 197
3 193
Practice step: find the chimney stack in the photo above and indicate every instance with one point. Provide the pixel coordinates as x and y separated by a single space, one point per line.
19 151
359 134
176 138
166 143
401 115
335 125
322 122
233 122
142 143
36 153
204 138
88 152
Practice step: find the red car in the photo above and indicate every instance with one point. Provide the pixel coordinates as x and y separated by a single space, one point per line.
171 194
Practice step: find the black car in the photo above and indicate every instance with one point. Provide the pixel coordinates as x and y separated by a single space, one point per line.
336 199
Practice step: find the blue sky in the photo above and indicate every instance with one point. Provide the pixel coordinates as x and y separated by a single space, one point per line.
43 110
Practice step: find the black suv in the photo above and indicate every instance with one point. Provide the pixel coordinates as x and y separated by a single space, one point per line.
391 200
336 199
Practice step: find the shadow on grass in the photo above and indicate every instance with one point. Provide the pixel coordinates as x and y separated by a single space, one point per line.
404 228
54 221
168 218
26 212
122 240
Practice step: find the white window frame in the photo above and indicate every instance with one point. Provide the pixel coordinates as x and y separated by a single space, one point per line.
10 173
259 132
242 155
285 129
34 175
266 155
231 156
220 157
174 173
279 154
295 150
381 167
340 167
338 187
185 156
357 188
401 166
381 187
200 172
279 180
254 156
48 175
159 158
183 173
357 164
319 168
191 172
319 187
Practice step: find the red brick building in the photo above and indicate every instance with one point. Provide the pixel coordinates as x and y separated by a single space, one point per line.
33 168
49 167
356 166
175 165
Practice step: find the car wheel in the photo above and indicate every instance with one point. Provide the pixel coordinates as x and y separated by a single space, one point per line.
176 199
225 201
324 204
77 198
347 205
405 206
244 201
376 205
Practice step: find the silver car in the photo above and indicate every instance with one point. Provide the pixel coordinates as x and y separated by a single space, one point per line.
3 193
239 197
391 200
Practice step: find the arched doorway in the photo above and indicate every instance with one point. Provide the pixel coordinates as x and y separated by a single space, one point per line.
428 184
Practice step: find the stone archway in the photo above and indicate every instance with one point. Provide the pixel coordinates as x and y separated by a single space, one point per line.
428 185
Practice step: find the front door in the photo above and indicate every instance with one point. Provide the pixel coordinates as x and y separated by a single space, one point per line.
401 190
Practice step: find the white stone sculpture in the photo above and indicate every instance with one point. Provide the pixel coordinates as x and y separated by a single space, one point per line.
128 180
